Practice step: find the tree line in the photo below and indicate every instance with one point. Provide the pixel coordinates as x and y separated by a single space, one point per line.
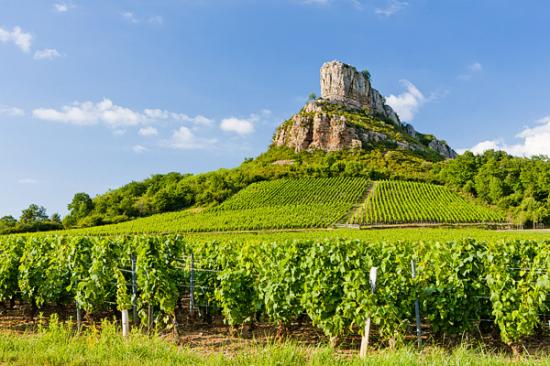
520 186
33 218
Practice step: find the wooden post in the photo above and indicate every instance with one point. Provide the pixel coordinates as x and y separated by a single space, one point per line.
365 339
192 286
125 323
78 318
134 290
417 309
149 318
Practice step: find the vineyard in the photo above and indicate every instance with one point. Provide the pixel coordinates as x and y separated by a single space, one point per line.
314 203
399 202
458 284
391 235
305 191
278 204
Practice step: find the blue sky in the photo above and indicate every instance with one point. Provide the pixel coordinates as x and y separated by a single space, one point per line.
96 94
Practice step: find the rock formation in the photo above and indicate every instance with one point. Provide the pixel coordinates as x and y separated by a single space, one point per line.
351 114
342 83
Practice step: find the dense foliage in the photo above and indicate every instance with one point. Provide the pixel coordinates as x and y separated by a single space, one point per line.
396 202
174 191
278 204
325 279
33 218
519 185
315 203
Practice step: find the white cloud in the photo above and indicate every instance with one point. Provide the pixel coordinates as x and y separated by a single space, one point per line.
62 7
11 111
244 126
533 141
27 181
158 114
471 70
148 131
129 16
406 104
475 67
115 116
391 8
184 139
18 37
484 146
239 126
155 19
46 54
139 149
89 113
134 19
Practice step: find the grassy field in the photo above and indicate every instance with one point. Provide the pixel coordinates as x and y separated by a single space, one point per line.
58 345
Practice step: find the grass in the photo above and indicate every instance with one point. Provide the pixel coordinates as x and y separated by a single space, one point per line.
58 345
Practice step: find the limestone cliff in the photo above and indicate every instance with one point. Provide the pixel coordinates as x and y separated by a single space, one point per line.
351 114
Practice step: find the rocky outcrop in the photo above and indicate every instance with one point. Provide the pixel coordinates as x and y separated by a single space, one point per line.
443 149
314 128
351 114
343 84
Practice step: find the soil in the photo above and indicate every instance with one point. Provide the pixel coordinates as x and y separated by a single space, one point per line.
218 337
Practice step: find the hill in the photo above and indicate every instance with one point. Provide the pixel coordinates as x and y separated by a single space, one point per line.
278 204
351 114
316 203
348 132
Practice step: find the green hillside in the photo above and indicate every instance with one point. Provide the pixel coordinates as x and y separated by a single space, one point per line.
315 203
398 202
278 204
297 192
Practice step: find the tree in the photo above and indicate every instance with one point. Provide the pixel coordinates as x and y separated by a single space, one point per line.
311 96
33 214
56 218
7 223
81 205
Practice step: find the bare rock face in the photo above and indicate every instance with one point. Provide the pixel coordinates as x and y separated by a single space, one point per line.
351 114
315 129
343 84
443 149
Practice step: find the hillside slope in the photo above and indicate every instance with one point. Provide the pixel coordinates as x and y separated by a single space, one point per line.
314 203
278 204
397 202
